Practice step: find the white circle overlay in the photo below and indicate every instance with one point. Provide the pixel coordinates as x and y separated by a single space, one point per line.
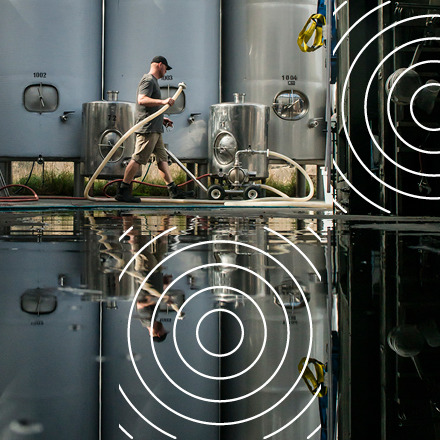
172 410
373 139
286 349
220 355
411 107
344 91
390 119
241 372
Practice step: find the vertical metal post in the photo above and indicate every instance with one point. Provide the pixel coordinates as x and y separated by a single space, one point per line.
300 184
78 180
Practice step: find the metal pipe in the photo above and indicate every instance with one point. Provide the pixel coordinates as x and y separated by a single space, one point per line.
186 170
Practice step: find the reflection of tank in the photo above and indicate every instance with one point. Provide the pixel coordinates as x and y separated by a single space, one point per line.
262 59
104 123
192 48
247 312
49 69
105 258
48 339
238 147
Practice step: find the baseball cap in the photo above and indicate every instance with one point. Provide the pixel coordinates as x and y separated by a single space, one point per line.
161 59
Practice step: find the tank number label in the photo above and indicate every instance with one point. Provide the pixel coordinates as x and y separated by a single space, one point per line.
40 74
167 78
111 118
290 79
292 320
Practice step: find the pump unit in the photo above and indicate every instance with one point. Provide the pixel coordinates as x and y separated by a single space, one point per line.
238 146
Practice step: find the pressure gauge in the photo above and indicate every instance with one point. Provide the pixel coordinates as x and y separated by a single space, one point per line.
290 105
225 147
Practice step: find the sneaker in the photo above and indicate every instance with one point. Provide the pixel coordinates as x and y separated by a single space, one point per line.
124 194
176 193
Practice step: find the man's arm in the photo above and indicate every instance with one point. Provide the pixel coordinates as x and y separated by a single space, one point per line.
151 102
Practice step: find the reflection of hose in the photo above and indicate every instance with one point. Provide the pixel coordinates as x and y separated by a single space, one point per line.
123 138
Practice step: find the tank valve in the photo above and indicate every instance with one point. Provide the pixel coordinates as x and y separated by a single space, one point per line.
65 115
313 123
40 160
192 117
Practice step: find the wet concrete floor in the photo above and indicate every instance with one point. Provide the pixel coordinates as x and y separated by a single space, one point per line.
159 324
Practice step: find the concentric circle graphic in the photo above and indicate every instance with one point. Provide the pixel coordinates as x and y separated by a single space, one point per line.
219 355
343 118
411 107
411 104
290 275
241 372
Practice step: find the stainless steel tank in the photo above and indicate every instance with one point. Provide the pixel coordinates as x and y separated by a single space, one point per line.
238 127
51 64
261 58
187 34
104 123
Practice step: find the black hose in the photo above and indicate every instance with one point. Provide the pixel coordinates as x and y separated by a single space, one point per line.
27 180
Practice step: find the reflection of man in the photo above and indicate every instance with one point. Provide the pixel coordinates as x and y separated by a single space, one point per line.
151 290
145 308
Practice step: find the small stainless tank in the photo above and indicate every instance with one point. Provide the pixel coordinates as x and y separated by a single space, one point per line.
238 126
104 123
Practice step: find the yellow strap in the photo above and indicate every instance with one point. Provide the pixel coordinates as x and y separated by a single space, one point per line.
317 20
310 379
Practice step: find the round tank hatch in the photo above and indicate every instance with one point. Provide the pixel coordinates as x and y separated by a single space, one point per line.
225 147
290 105
108 140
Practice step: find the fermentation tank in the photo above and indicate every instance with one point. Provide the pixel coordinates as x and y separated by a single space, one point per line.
51 52
261 58
104 123
239 127
187 34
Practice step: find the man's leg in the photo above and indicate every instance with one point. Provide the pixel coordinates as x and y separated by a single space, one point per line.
130 171
164 171
143 148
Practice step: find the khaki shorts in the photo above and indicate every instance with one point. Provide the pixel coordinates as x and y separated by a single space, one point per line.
146 145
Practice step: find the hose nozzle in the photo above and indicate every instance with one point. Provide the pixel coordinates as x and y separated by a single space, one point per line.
183 85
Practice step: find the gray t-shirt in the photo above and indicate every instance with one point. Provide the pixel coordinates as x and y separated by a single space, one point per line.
149 86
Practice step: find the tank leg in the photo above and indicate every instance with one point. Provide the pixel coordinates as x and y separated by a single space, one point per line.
300 184
319 184
192 168
6 171
202 168
78 180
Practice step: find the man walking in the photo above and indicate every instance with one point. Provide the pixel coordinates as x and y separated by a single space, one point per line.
149 137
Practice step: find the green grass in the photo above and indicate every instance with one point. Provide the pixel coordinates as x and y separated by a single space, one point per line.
62 184
54 184
287 188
